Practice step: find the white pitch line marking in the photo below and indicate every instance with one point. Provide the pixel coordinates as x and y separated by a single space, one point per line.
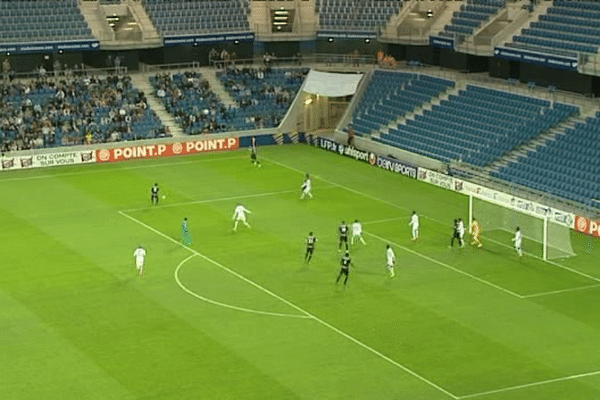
101 170
313 317
406 209
406 248
446 265
526 385
218 303
560 291
551 262
246 196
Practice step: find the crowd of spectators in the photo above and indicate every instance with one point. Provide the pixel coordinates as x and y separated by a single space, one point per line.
263 94
262 97
188 97
73 109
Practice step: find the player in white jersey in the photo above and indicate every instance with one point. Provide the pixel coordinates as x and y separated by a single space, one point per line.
140 258
391 260
357 232
461 232
306 188
414 223
240 215
518 239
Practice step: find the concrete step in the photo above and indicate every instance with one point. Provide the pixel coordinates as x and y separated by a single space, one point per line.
142 82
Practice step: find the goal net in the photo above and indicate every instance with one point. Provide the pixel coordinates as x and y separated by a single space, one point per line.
541 237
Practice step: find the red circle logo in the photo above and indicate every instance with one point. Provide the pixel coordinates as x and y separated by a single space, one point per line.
104 155
582 224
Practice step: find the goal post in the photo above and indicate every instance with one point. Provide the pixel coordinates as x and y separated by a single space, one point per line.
542 237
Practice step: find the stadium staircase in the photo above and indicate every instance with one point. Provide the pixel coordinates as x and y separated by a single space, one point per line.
142 82
210 74
541 140
129 11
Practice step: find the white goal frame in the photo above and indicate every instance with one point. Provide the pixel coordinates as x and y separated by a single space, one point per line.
543 218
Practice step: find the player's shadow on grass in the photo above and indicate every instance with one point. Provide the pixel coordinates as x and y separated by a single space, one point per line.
123 284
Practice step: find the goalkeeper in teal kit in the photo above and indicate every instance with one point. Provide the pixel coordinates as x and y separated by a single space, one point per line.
186 236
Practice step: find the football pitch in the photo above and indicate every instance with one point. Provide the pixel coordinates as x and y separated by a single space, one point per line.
241 316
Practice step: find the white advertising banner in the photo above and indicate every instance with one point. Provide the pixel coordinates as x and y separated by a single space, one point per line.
494 196
330 84
48 160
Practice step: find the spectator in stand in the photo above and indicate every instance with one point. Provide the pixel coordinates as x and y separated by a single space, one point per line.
5 69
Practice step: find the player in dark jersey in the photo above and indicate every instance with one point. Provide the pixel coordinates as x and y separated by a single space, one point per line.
456 234
311 240
253 155
346 262
154 197
343 231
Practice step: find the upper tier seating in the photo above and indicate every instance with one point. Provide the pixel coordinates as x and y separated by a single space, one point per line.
471 16
390 95
263 95
567 26
263 98
198 16
358 15
567 167
74 111
42 21
477 126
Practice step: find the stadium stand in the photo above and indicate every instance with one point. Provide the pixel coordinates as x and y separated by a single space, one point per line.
263 95
42 20
568 167
73 111
187 96
567 26
390 95
471 16
477 126
198 16
360 15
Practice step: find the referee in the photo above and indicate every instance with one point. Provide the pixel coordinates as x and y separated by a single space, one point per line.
346 262
310 247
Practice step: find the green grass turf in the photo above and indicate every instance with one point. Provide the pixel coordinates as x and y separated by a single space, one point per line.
76 322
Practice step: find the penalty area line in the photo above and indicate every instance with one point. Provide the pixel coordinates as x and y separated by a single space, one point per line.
301 310
446 265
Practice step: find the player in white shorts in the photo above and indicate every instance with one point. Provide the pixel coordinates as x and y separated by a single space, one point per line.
391 260
306 188
240 215
140 258
357 232
518 239
461 232
414 223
